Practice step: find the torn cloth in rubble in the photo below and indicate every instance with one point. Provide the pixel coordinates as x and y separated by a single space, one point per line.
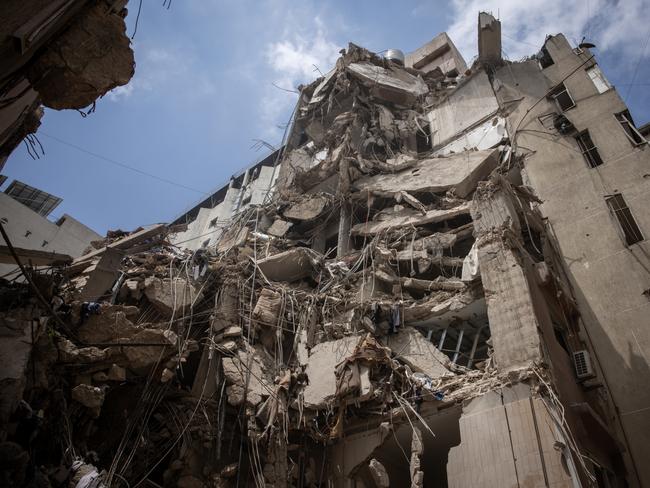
368 352
87 475
471 269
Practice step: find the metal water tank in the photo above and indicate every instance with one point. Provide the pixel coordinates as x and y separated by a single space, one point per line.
395 55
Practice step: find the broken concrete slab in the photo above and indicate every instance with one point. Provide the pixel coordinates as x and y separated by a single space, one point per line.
395 85
291 265
168 296
102 275
413 349
321 369
91 397
267 308
112 321
245 377
279 228
402 217
379 474
232 238
307 209
460 171
140 358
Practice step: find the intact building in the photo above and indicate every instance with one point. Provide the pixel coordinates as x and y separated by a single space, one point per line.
24 212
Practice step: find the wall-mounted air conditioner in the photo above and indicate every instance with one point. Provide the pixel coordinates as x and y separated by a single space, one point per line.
582 363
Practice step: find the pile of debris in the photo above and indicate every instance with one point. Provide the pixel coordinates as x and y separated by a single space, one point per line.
354 301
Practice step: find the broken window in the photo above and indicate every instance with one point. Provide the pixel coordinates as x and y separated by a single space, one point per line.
598 78
625 119
206 243
562 97
628 225
423 139
214 222
544 58
589 150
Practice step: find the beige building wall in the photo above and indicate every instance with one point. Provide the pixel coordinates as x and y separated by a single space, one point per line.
610 278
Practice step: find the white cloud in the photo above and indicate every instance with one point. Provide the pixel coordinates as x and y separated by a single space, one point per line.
121 92
620 25
166 71
295 59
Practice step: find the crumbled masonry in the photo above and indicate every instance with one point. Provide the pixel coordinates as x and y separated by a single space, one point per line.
393 313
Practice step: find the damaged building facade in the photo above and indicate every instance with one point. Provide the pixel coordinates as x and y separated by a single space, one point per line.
439 280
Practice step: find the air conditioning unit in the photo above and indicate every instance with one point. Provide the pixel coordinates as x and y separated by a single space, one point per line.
582 363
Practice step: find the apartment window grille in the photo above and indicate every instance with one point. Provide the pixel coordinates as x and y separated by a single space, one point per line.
545 59
630 229
625 119
598 78
589 150
562 97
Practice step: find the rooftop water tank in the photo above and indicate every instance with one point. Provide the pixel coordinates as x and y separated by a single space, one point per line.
395 55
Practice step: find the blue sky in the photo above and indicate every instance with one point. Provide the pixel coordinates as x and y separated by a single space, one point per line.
203 89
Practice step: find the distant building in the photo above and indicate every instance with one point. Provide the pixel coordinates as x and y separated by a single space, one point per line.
23 213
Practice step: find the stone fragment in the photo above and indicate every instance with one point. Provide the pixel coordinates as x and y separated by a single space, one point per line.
321 370
379 474
307 209
291 265
89 396
244 375
413 349
267 309
169 295
116 373
112 321
279 228
232 332
142 357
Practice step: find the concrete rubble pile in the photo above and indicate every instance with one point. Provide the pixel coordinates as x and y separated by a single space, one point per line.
393 297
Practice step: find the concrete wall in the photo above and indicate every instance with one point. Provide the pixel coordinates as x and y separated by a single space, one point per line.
199 230
609 277
508 438
29 230
470 104
440 52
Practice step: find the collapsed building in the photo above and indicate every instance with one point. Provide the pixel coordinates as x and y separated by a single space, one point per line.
396 297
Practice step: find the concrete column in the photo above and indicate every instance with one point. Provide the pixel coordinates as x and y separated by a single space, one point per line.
343 245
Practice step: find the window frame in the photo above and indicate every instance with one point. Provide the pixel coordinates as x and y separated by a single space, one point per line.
544 54
628 227
559 90
598 75
589 152
627 121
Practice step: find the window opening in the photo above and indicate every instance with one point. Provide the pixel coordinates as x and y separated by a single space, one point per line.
598 78
562 97
628 225
545 59
625 119
589 150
